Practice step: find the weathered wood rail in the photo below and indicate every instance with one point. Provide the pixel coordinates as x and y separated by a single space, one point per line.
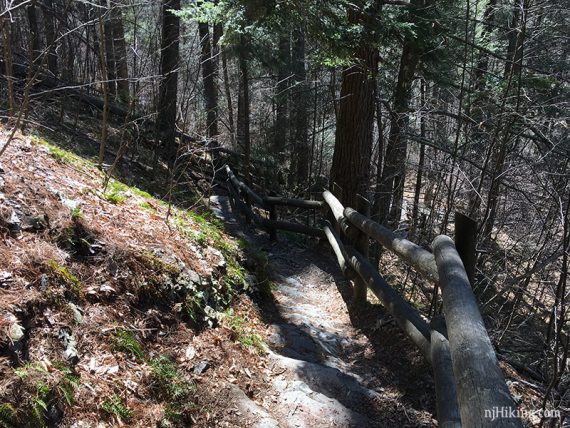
470 387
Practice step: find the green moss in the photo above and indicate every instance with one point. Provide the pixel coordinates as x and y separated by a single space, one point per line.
61 155
71 281
115 198
119 187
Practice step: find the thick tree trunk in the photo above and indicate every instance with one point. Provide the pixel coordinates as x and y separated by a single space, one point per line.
169 56
350 172
209 78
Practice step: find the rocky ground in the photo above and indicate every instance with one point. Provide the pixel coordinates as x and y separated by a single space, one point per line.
330 367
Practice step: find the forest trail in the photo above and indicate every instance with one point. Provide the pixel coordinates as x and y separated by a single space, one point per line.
329 369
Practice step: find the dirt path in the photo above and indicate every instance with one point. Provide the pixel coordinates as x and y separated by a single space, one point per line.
334 367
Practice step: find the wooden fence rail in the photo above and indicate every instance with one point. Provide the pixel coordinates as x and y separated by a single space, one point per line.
470 387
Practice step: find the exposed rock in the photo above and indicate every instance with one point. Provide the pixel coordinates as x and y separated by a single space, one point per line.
201 367
70 344
253 414
35 223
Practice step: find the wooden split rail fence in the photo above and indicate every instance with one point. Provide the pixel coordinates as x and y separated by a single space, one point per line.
470 387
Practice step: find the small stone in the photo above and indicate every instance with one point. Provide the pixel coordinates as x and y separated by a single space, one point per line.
201 367
70 344
190 352
77 315
16 330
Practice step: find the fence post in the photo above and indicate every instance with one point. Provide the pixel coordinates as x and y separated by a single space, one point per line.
447 409
483 396
360 241
466 243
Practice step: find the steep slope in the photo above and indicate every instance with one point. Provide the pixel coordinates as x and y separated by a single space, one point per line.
106 298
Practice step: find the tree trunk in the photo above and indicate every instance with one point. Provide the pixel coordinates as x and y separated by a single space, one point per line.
421 161
209 78
168 91
243 137
8 74
512 73
300 167
350 169
280 127
34 32
120 56
103 62
107 38
389 200
388 204
483 62
49 31
218 30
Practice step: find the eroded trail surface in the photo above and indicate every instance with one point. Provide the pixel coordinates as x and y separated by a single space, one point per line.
332 366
